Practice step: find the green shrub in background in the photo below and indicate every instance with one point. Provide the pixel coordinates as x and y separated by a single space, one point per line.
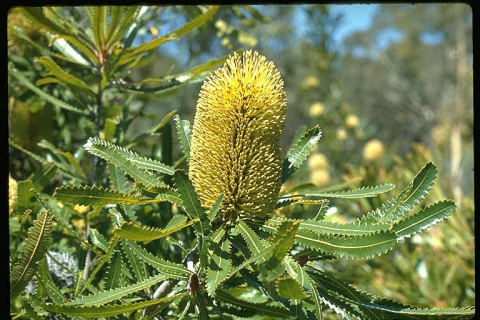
146 244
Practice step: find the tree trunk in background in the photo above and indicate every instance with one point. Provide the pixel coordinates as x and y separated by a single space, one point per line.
458 109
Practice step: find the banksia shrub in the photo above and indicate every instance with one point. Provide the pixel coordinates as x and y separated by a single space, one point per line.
235 148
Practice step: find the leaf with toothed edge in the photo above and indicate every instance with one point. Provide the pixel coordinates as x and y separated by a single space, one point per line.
423 219
261 308
113 276
132 231
34 249
363 192
108 310
351 247
184 130
328 227
219 265
290 288
300 151
101 148
106 296
136 265
342 297
170 269
98 196
409 198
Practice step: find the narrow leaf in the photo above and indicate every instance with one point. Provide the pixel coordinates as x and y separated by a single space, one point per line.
300 151
170 269
33 251
352 247
98 196
219 266
106 311
290 288
24 81
332 228
409 198
138 266
64 76
363 192
184 131
212 213
113 273
107 296
135 232
260 308
190 201
424 219
36 14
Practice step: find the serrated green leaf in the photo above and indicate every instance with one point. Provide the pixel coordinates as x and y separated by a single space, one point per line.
409 198
219 265
106 296
30 310
363 192
55 70
111 246
36 14
106 311
114 272
424 219
284 238
342 297
300 151
259 308
252 240
184 130
212 213
327 227
191 203
97 196
138 266
170 269
43 176
218 234
98 25
98 240
45 280
352 247
430 314
119 181
36 244
24 81
129 161
131 231
290 288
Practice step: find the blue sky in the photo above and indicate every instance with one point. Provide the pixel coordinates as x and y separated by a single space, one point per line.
356 17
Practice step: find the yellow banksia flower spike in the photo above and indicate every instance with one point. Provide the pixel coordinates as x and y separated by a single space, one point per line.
235 147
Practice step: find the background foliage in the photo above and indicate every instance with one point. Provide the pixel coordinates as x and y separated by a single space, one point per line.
133 76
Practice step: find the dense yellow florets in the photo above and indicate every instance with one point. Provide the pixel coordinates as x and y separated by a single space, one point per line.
235 147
